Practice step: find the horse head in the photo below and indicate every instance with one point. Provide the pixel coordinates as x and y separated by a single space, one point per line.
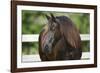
62 37
53 34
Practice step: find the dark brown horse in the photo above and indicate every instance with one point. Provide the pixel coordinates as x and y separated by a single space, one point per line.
59 40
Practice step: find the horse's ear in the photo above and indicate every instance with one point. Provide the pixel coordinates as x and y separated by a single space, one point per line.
52 16
48 17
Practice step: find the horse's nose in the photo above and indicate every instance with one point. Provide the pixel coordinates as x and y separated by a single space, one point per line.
46 49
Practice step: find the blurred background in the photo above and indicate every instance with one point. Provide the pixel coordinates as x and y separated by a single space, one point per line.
34 21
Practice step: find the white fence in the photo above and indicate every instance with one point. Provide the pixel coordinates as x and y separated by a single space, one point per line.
34 38
33 58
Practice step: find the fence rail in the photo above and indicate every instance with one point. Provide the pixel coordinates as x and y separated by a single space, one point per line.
34 38
32 58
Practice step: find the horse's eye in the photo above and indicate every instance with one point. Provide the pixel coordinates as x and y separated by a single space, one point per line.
54 26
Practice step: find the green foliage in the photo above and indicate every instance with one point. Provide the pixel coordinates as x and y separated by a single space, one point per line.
33 22
85 46
30 48
82 22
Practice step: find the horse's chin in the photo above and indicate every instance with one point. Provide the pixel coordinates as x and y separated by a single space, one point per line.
47 51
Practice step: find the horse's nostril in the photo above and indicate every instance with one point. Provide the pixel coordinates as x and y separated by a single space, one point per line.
46 49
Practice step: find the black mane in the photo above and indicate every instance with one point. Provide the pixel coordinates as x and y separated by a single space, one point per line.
65 19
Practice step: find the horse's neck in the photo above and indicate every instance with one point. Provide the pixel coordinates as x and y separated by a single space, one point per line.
60 45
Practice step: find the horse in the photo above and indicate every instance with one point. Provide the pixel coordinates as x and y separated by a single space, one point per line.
59 40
